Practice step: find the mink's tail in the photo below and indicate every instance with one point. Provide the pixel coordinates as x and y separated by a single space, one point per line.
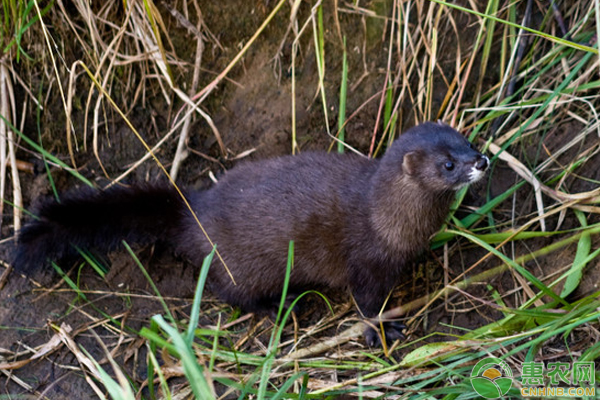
98 220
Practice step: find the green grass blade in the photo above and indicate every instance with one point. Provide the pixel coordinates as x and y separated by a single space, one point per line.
69 282
274 341
584 247
342 112
47 155
195 313
193 371
154 365
117 390
150 281
282 392
319 40
526 274
552 38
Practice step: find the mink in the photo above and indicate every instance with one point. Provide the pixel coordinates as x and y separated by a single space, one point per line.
356 223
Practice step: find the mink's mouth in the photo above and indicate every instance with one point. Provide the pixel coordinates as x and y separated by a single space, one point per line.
478 170
476 173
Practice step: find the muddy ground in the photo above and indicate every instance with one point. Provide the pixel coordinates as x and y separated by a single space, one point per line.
252 111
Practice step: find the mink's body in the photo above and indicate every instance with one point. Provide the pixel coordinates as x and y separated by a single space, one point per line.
356 223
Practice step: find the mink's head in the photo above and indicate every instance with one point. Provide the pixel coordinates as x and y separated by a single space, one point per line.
438 158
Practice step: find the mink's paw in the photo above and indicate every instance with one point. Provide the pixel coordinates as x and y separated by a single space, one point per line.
269 307
393 331
274 309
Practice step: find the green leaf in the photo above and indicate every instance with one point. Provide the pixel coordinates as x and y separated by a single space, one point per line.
583 250
432 352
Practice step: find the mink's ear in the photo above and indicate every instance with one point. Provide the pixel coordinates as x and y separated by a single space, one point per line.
411 162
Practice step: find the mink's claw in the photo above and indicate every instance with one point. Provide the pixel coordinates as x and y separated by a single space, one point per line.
393 331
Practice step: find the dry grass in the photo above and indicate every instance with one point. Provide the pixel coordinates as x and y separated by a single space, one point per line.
519 265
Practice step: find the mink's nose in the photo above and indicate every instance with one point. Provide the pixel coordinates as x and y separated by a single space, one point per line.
482 162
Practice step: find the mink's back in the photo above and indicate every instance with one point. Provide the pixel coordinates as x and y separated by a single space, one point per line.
318 200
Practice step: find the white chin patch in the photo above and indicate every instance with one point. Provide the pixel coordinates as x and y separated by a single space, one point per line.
475 175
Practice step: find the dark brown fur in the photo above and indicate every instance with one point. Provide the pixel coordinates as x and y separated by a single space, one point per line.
356 223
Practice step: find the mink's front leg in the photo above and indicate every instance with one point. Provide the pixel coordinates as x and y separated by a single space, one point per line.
370 293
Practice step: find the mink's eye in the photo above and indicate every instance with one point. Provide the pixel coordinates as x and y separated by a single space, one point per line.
470 145
449 165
